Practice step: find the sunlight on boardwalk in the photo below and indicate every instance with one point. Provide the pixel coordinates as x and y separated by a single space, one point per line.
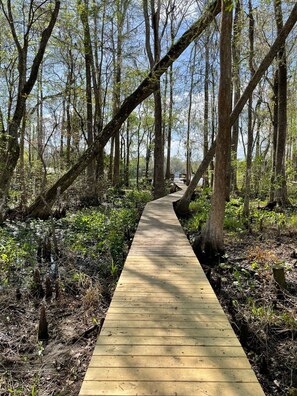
165 332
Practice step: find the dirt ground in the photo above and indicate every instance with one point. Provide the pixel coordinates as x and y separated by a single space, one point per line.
263 316
29 367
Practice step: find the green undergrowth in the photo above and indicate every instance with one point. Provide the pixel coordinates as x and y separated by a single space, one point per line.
96 237
260 220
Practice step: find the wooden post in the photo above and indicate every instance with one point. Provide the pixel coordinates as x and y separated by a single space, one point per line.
279 277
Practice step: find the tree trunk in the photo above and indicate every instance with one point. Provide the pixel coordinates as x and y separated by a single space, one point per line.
154 57
88 55
40 179
281 195
22 163
121 10
170 123
127 162
159 184
206 108
189 118
248 172
213 240
236 49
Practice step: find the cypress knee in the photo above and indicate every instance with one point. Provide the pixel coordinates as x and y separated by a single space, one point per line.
43 325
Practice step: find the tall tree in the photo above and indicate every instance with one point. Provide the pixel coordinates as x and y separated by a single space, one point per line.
213 240
206 105
281 194
236 49
120 12
154 58
250 138
83 9
189 115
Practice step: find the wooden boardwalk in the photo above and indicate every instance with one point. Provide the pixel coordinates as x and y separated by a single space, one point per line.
165 332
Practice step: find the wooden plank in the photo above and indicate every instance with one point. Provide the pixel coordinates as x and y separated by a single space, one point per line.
150 297
163 287
173 272
169 350
171 279
170 361
167 374
205 332
136 304
202 316
164 341
215 309
147 324
169 388
161 260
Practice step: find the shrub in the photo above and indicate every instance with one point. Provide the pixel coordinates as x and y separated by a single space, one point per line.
17 252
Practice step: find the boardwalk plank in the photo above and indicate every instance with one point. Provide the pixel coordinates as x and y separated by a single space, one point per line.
163 332
167 374
169 350
110 324
170 361
168 388
164 341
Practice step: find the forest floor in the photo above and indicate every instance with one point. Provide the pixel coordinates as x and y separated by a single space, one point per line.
29 367
262 315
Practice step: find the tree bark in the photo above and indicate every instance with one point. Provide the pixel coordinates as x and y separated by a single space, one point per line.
274 137
189 118
121 10
88 55
236 49
154 57
213 241
250 140
170 123
206 108
281 194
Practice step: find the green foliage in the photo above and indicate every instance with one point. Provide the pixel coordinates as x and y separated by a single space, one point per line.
113 268
97 235
88 231
199 209
93 233
292 223
233 219
16 254
121 222
264 314
266 219
137 199
267 315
